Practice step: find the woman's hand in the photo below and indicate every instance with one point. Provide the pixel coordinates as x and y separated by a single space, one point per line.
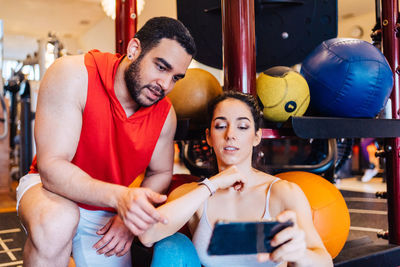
291 241
228 178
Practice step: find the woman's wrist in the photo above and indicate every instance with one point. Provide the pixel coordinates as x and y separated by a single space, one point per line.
209 185
214 181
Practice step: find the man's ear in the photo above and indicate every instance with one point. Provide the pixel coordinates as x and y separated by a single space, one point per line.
134 49
257 140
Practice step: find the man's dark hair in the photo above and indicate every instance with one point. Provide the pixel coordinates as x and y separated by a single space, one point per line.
158 28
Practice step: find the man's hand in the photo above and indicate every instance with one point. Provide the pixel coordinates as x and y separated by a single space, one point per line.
136 208
117 238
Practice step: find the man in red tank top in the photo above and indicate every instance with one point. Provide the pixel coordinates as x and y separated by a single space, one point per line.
101 121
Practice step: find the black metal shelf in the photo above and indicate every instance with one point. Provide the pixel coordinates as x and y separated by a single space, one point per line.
328 127
308 127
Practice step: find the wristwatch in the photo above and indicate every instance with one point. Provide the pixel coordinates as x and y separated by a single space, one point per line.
209 186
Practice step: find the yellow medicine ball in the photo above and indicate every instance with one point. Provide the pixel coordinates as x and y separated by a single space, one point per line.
191 95
283 93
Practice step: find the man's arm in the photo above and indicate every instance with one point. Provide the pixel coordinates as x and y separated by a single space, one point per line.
61 101
158 177
62 98
159 172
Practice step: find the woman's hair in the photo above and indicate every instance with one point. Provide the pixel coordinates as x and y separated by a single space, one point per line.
158 28
249 100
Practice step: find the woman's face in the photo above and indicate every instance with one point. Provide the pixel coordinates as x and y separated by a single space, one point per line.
232 133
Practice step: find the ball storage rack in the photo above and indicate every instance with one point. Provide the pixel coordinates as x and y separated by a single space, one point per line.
238 37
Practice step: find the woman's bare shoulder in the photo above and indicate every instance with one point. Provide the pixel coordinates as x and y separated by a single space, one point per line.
289 193
279 185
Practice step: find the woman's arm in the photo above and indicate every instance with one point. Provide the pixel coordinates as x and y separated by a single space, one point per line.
184 201
304 246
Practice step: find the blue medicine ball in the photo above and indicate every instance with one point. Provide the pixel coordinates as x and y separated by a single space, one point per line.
347 78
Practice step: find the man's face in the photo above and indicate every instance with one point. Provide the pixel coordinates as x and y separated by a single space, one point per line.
152 76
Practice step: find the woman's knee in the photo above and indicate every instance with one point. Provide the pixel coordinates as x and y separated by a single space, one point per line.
175 241
177 249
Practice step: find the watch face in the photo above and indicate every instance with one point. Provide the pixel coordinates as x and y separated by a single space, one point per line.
286 32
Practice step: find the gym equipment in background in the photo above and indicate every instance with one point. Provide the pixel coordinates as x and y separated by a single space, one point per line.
330 214
20 115
286 30
23 103
283 93
191 94
347 78
4 129
198 158
4 119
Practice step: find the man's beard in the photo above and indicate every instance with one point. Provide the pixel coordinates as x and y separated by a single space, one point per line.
135 87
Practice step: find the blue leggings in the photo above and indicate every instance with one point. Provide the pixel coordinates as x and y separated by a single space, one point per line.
175 251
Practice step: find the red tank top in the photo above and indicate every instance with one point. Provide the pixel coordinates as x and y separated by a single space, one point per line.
113 148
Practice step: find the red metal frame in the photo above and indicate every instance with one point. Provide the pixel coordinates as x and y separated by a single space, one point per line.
238 35
125 24
277 133
238 39
390 28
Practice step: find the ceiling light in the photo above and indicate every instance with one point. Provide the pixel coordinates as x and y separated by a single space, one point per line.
109 7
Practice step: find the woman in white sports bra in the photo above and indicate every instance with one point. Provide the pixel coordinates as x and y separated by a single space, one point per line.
237 193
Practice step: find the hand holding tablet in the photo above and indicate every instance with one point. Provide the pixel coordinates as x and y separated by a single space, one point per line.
231 238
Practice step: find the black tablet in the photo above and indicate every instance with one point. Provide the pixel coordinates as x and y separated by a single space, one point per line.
230 238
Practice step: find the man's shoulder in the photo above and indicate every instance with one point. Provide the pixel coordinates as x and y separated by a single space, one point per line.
66 78
68 67
71 63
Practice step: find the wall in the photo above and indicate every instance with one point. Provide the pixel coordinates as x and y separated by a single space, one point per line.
17 47
101 37
155 9
350 27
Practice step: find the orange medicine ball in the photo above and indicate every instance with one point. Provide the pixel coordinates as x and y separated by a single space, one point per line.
331 216
191 95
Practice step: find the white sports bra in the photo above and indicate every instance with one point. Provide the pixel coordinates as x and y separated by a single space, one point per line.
201 239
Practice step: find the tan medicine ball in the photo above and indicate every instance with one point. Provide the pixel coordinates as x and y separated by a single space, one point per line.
191 94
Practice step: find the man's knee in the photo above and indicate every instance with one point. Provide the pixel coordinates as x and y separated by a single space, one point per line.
53 229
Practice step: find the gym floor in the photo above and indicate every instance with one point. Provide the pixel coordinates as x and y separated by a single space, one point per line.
12 236
368 216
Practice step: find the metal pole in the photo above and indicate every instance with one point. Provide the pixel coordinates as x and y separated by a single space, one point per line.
1 57
25 136
238 40
125 23
391 51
